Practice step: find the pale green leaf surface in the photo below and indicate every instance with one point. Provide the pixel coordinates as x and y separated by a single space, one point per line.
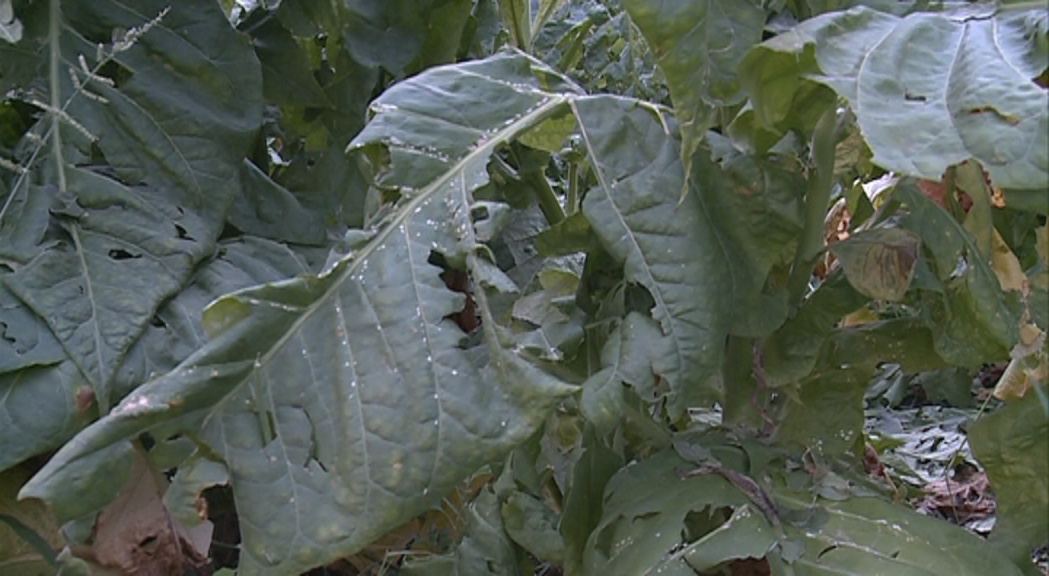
24 220
344 404
703 261
127 250
745 535
175 331
174 127
38 410
929 89
188 107
25 340
699 45
1011 445
671 251
644 510
873 536
755 207
10 27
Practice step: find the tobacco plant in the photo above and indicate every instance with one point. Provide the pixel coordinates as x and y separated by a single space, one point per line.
607 282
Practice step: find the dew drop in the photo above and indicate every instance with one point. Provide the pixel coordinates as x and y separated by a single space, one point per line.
455 372
503 423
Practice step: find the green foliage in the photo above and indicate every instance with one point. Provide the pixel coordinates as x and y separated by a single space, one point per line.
333 260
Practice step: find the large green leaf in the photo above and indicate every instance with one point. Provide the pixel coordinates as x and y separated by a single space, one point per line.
171 123
699 45
44 398
125 251
929 89
1011 445
345 403
671 251
704 261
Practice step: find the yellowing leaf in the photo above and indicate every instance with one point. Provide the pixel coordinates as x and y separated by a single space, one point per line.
879 263
1006 266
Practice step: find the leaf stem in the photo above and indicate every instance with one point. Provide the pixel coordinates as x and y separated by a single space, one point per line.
817 198
572 202
546 197
55 49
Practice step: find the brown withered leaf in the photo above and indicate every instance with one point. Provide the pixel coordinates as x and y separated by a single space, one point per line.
135 535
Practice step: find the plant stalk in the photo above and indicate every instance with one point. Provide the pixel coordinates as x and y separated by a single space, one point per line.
55 87
546 197
817 198
572 202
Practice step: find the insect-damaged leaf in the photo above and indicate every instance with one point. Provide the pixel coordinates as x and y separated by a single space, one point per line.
929 89
344 404
170 127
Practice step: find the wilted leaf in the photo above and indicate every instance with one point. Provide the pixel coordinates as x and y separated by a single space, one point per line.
136 533
879 263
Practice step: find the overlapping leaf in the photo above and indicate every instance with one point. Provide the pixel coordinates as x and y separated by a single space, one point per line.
343 404
929 90
654 522
172 123
973 320
1011 445
703 261
699 46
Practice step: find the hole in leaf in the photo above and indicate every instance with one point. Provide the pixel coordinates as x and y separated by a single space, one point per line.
3 333
121 254
182 233
225 541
